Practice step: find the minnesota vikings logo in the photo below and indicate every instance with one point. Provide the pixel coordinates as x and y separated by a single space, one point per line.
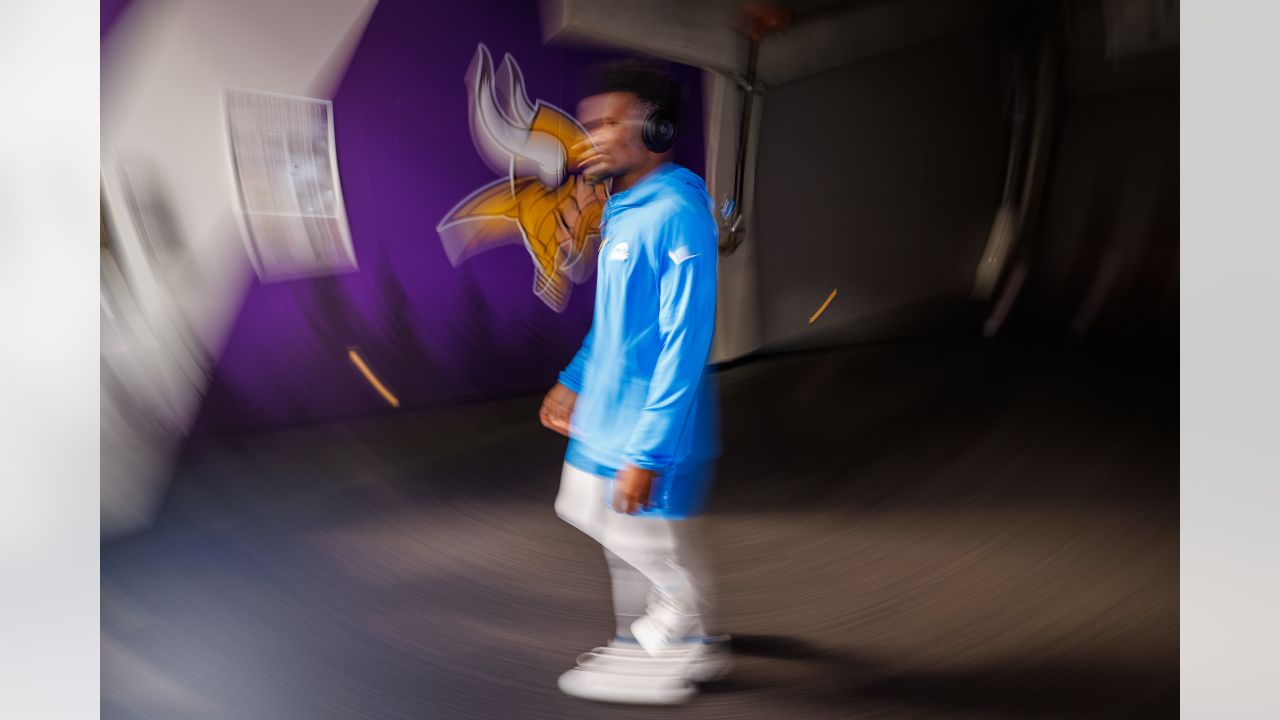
538 202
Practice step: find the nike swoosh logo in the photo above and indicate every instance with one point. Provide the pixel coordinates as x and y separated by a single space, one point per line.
678 259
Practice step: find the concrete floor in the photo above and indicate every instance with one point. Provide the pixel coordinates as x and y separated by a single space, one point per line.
912 530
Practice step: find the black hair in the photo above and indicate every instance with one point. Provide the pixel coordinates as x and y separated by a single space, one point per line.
649 80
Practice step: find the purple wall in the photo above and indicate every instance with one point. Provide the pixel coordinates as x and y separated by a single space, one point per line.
109 11
433 333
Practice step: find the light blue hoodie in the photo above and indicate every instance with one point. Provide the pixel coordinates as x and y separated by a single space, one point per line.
645 397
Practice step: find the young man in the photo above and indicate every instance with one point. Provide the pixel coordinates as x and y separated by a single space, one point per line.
637 402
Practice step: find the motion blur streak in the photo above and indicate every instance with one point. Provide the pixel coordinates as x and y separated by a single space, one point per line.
373 379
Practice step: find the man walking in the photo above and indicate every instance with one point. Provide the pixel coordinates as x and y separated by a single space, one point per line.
637 402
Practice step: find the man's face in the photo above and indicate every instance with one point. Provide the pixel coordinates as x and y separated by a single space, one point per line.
614 121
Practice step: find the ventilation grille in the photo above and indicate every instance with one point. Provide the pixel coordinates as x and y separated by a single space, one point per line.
286 177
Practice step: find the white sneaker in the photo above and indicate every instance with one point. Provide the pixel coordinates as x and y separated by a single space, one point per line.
623 672
662 627
700 659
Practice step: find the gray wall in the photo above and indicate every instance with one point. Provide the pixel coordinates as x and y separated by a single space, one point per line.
1104 260
879 179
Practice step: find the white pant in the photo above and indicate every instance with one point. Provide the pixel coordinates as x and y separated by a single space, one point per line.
645 554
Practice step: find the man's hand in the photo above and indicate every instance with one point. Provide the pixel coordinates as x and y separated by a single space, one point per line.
557 407
632 489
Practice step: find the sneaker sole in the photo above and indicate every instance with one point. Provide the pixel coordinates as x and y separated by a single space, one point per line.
597 686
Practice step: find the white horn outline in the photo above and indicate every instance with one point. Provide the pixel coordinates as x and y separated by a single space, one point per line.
507 144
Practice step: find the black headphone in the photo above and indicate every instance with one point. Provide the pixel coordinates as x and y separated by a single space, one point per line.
659 131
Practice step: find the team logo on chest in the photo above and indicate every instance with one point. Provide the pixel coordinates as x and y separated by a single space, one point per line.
621 251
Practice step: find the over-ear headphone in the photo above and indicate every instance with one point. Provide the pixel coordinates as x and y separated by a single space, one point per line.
659 131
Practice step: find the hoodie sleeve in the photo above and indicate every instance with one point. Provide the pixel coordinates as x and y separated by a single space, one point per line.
571 376
685 262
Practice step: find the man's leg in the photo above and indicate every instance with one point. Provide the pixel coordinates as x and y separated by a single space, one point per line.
581 502
630 593
652 560
667 553
638 549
